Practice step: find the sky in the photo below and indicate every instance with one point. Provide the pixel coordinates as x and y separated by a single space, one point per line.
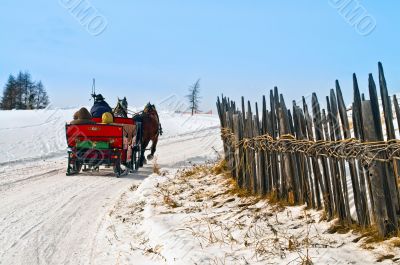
152 50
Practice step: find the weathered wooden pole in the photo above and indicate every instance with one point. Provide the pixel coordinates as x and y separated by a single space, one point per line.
298 197
300 132
306 168
342 168
246 183
377 174
237 123
390 135
250 151
358 133
351 162
260 156
387 176
335 170
274 155
266 157
319 136
318 185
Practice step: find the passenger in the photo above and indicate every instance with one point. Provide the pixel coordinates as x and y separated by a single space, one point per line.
107 118
82 116
100 107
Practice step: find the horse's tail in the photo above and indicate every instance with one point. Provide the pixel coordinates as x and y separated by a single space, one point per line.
160 130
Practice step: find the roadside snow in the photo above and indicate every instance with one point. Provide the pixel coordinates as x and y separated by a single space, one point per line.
194 218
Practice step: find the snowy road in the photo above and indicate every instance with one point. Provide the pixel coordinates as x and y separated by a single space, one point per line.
49 218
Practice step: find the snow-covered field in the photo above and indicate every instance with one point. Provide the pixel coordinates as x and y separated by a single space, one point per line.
49 218
175 217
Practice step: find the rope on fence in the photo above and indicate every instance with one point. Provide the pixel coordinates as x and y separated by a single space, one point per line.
382 151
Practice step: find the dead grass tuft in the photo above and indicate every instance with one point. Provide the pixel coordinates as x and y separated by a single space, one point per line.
156 167
194 171
170 202
234 189
220 168
395 242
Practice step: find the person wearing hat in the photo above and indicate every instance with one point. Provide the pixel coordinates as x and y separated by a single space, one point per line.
82 116
100 107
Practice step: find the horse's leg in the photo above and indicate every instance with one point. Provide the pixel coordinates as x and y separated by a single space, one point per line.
142 158
153 148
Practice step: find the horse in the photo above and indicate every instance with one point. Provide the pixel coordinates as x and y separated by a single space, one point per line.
121 110
151 130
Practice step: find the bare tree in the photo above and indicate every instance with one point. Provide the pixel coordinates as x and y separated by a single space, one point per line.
194 97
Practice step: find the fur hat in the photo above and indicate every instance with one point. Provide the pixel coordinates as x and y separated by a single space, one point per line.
82 116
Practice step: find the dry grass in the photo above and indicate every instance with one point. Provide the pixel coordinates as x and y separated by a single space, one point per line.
221 168
206 189
170 202
367 236
156 167
395 242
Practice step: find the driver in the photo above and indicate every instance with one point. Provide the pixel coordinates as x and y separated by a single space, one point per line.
100 107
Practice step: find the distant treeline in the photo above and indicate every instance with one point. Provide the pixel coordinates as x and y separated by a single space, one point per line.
22 93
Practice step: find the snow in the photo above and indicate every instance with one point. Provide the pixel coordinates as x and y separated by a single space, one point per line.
185 220
145 218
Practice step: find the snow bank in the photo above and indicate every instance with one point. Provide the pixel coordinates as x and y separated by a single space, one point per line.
196 219
27 135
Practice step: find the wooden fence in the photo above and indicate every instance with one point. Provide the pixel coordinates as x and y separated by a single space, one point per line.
342 160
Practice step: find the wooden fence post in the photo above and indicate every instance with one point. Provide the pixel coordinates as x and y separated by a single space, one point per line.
359 134
274 155
352 165
335 171
377 174
317 177
251 152
247 184
388 114
387 181
319 136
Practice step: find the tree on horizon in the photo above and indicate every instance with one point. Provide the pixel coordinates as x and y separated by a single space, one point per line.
22 93
194 97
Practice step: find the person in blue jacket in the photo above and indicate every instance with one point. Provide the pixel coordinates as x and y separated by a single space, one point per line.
100 107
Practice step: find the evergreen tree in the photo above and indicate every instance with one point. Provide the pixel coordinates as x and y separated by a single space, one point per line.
41 99
22 93
10 94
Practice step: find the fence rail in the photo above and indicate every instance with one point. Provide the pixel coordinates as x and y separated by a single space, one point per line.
324 158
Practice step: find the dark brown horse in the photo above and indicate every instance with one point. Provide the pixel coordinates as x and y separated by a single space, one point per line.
151 130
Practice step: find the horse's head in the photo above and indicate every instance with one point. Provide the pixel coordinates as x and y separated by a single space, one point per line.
121 110
123 103
150 108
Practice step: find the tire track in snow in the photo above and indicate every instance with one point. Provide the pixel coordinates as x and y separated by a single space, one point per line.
59 186
44 209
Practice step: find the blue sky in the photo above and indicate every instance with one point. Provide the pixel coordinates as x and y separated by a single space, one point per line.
153 49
